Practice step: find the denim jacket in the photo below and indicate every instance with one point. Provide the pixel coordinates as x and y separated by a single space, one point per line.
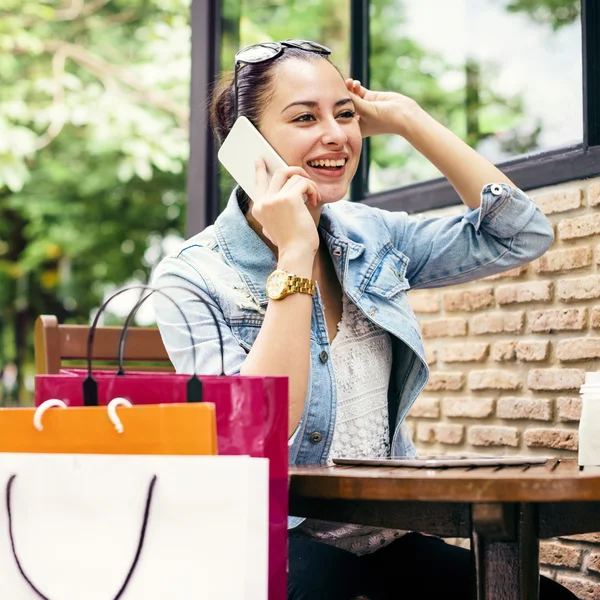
378 256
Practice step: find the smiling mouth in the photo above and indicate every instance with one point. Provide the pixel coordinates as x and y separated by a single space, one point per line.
328 164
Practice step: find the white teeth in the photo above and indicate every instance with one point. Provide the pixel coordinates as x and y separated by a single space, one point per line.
327 163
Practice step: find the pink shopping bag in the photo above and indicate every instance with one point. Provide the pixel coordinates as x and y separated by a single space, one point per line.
251 412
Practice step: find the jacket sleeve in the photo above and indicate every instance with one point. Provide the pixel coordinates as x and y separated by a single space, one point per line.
506 231
198 351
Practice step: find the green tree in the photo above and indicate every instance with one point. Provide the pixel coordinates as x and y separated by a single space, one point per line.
93 144
556 13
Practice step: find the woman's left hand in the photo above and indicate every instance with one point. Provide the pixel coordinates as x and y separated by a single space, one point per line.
381 112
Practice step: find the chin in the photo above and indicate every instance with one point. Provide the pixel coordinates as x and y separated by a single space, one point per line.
328 196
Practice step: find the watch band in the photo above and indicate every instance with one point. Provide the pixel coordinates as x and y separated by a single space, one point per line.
301 284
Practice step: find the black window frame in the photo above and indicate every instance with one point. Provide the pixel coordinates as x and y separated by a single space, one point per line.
531 171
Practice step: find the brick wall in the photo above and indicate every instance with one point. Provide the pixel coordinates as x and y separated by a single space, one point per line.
508 355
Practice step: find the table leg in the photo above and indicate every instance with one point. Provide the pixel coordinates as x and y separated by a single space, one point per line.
505 546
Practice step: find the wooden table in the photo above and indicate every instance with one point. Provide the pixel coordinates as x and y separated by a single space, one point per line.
504 510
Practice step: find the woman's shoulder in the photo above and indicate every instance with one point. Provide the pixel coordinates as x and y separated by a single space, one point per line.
197 259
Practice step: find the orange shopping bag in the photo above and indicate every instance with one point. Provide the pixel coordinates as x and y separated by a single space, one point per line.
175 429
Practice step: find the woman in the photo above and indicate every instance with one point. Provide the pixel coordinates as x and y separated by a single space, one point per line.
314 288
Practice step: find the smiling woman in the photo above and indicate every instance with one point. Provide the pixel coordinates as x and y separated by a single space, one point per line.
329 279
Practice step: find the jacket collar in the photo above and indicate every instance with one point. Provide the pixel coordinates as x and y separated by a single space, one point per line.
253 259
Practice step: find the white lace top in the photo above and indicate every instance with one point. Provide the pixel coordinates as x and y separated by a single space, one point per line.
361 356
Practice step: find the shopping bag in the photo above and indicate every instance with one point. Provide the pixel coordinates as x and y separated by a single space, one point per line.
162 429
102 527
251 414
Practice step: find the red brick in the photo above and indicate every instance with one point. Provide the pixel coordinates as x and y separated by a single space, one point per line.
561 555
593 194
430 354
511 274
595 318
442 432
444 380
497 322
524 408
558 439
504 351
568 409
554 380
437 328
426 433
424 301
471 408
563 319
461 352
532 351
593 562
520 293
563 260
586 288
584 348
584 589
494 380
427 407
559 201
480 435
579 227
468 300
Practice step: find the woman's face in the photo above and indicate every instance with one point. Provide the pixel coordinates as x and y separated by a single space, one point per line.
311 123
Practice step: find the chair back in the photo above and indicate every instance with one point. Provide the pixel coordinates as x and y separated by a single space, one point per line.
58 346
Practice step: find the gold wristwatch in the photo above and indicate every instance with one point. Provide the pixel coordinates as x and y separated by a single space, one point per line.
280 284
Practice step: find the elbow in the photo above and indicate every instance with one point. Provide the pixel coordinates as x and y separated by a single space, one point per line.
535 242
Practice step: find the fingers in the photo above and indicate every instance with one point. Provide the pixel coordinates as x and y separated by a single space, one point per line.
304 187
284 181
281 176
355 86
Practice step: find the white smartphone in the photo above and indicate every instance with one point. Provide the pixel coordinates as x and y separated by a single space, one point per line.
241 148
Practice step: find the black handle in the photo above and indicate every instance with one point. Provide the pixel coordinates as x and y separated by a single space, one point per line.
133 311
136 558
194 387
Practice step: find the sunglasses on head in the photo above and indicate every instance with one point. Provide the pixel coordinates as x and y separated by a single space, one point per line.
257 53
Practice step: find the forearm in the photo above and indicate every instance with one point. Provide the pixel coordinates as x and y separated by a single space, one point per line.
282 346
464 168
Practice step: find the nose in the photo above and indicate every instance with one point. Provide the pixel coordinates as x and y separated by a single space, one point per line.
334 133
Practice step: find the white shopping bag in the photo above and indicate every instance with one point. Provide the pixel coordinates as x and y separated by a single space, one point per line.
76 522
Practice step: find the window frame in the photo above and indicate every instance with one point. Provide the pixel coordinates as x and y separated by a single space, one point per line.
532 171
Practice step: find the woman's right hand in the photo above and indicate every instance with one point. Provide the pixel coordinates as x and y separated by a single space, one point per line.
281 210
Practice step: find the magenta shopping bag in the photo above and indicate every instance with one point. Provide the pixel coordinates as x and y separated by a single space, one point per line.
252 419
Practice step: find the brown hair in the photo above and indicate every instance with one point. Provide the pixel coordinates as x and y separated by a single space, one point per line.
255 90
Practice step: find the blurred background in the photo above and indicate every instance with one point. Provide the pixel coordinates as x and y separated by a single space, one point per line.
94 110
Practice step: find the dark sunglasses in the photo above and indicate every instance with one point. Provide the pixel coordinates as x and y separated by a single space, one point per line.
257 53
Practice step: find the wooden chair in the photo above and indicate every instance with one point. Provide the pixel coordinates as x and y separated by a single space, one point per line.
58 346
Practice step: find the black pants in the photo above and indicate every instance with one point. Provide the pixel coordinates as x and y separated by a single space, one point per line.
412 567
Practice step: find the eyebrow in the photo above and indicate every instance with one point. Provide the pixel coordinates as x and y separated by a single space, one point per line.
314 104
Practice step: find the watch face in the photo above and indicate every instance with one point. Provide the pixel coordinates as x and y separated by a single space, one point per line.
277 284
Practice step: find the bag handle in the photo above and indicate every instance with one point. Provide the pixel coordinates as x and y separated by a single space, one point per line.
133 311
136 558
194 386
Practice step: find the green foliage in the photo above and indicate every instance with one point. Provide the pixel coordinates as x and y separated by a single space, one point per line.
93 147
556 13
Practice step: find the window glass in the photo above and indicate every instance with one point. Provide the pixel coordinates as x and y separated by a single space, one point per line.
504 75
246 22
